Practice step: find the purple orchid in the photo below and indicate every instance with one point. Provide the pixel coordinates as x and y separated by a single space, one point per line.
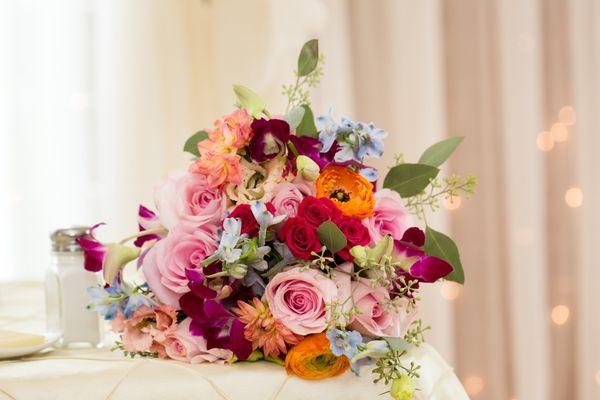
311 147
210 319
93 250
424 268
147 219
220 328
269 140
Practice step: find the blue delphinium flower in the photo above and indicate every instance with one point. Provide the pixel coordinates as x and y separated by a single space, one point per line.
357 140
344 342
109 300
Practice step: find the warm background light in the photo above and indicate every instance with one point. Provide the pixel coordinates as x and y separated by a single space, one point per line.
598 377
452 203
566 115
560 314
474 385
450 290
574 197
559 132
545 141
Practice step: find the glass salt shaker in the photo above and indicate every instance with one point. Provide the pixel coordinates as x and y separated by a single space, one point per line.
66 295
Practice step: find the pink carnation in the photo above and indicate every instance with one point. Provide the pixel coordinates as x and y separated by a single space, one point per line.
185 198
165 263
218 167
232 130
298 298
146 329
219 161
389 216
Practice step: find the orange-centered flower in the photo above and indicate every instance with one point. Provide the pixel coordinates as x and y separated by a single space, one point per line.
312 359
263 330
348 189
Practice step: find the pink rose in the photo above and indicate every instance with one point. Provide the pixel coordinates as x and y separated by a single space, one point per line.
181 345
146 328
379 317
287 196
165 263
389 216
186 198
299 299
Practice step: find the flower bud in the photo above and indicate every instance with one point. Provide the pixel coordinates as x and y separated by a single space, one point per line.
238 271
403 388
307 168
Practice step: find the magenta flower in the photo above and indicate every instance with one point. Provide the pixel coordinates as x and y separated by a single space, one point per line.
269 140
311 148
93 251
219 327
211 320
425 268
147 219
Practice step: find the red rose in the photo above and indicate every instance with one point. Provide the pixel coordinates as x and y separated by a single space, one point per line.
300 237
316 211
243 212
356 234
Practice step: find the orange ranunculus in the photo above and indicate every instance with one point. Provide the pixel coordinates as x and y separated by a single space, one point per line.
348 189
312 359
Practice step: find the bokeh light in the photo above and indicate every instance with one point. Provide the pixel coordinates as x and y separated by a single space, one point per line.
560 314
566 115
598 377
559 132
450 290
574 197
452 203
474 385
545 141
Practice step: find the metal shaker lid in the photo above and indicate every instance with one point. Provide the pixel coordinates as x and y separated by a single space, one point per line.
66 239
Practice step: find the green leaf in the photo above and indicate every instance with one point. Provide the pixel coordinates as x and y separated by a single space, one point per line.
294 117
307 126
438 153
191 145
409 179
249 100
331 236
309 57
398 344
439 245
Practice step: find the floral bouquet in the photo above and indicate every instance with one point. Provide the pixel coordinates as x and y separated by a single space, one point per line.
277 245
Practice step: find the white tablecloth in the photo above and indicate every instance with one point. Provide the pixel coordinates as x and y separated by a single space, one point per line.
102 374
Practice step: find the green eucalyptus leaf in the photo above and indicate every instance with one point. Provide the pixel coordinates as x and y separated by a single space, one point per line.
307 126
191 145
249 100
409 179
294 117
438 153
398 344
441 246
309 57
331 236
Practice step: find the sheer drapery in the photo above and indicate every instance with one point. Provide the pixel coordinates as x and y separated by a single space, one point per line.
98 96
